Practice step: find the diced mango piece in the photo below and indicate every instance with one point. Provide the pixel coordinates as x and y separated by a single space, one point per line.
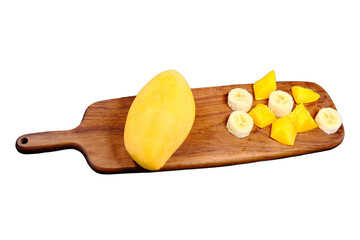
283 131
262 115
265 86
304 95
302 119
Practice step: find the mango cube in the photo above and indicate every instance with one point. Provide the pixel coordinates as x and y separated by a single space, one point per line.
302 119
283 131
262 115
304 95
265 86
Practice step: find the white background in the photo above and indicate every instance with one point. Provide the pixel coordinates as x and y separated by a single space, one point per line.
58 57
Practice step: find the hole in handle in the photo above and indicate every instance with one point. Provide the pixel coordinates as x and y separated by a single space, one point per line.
24 140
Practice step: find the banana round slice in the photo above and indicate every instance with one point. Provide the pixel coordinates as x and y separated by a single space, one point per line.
281 103
240 99
240 124
328 119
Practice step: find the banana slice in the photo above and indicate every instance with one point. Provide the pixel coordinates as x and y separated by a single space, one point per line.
281 103
240 124
328 119
240 99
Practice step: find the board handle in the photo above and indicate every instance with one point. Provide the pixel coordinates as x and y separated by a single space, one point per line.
45 142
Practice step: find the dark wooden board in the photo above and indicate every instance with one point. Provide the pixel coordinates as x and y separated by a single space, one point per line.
100 135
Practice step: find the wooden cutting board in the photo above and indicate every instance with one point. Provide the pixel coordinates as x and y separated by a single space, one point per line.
100 135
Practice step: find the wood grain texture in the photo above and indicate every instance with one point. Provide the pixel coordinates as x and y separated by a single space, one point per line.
100 135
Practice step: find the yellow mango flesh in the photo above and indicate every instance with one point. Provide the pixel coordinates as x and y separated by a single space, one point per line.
302 119
283 131
262 115
159 120
265 86
304 95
